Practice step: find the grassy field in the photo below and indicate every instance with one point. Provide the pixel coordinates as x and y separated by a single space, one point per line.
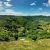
25 44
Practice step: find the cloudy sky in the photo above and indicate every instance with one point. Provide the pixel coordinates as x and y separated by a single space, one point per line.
24 7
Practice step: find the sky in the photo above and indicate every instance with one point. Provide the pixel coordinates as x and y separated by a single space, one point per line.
25 7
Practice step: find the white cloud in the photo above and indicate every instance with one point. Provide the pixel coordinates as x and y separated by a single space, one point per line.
11 12
49 2
5 10
43 13
1 3
40 9
1 6
8 0
7 4
33 4
45 4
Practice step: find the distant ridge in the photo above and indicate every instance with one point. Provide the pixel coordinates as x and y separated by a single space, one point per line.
25 15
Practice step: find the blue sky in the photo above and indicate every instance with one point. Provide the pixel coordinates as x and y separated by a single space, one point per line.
25 7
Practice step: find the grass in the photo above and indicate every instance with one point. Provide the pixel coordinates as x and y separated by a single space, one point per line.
43 44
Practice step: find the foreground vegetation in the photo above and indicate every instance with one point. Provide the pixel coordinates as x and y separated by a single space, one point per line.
33 27
26 45
24 32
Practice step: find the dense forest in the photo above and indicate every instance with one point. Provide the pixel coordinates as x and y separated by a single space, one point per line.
33 27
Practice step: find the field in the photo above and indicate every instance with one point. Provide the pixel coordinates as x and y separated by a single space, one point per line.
26 45
24 32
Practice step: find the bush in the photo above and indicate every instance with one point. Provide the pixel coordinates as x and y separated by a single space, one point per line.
7 36
4 37
34 37
16 36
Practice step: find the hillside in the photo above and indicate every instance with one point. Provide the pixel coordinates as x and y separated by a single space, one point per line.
33 27
24 32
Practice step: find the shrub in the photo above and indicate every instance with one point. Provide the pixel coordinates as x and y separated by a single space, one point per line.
34 37
16 36
4 37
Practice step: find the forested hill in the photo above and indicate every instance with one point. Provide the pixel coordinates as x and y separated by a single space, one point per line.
33 27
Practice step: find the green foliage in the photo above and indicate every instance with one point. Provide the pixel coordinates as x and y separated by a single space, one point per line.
16 36
14 27
4 36
34 37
